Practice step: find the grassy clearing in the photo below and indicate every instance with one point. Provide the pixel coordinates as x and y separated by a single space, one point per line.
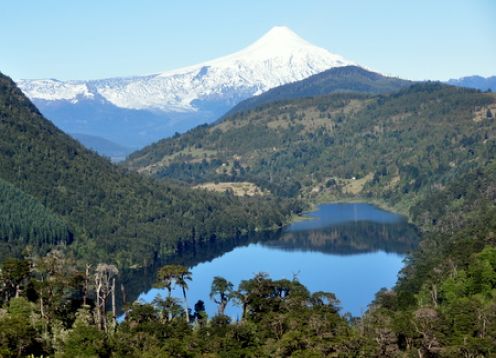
355 186
480 114
239 189
189 154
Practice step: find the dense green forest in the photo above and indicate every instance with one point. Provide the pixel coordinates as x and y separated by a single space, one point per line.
24 222
114 215
444 303
338 79
281 317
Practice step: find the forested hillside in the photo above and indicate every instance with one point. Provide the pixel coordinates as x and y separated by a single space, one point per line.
389 147
25 223
353 79
444 304
115 215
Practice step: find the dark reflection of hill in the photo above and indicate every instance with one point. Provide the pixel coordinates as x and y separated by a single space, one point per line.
350 238
141 280
340 239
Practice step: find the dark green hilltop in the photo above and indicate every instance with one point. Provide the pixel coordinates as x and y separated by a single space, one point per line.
353 79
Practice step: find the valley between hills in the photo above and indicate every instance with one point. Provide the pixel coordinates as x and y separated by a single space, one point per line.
74 226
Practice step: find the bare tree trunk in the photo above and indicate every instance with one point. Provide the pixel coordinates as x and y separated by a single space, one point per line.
434 294
245 310
85 288
222 307
104 316
114 311
123 292
42 311
105 285
42 308
186 312
98 306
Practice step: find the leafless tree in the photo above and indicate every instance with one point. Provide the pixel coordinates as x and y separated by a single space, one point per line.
104 287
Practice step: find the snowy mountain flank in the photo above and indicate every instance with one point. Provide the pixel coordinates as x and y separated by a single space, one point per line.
176 100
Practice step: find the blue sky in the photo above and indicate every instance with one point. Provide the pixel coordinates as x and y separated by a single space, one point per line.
421 39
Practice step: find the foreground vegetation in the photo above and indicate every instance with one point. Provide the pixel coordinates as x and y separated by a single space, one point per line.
280 317
444 305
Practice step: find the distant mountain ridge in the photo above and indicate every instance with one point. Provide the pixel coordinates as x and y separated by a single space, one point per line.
339 79
103 146
477 82
159 103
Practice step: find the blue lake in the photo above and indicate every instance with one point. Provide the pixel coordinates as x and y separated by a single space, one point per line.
352 250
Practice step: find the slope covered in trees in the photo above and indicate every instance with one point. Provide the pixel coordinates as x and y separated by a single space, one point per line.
389 147
115 215
25 222
444 304
339 79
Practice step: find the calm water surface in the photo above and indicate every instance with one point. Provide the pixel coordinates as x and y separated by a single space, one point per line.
352 250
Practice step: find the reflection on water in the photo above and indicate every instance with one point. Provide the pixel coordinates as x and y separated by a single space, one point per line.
349 238
350 249
334 214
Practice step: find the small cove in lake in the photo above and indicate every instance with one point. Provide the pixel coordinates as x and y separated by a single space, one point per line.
352 250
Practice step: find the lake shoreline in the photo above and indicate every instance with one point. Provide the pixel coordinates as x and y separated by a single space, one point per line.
381 204
363 243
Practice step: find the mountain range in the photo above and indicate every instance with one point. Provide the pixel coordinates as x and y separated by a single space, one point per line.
477 82
135 111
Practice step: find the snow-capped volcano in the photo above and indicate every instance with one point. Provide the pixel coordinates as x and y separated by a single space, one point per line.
206 90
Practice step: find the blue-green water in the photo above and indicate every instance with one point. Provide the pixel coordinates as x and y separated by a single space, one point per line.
352 250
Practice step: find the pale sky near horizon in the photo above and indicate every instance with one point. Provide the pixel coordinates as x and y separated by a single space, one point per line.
422 39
